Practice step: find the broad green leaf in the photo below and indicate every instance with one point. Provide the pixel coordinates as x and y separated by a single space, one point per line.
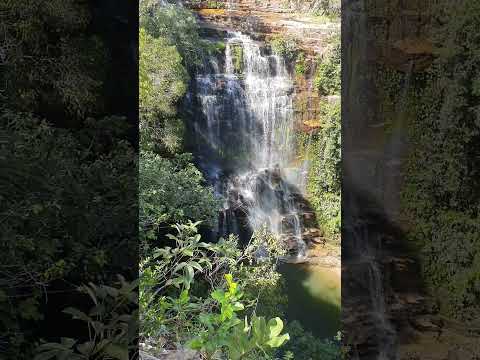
187 252
218 295
68 342
51 354
77 314
179 267
238 306
86 348
195 344
278 341
276 326
189 274
195 265
184 298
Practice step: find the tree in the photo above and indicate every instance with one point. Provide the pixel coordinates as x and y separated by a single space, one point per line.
162 84
178 26
173 190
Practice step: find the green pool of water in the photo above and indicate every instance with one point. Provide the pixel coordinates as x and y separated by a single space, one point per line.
314 297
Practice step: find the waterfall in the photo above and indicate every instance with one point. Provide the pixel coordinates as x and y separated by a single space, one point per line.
244 139
364 254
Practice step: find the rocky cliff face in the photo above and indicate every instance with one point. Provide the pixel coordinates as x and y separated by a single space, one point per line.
387 313
263 20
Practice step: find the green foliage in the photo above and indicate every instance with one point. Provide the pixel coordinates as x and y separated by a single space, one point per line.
111 322
171 271
263 282
215 48
300 64
441 199
162 83
178 26
162 76
161 182
284 46
237 57
212 4
329 8
50 178
304 346
181 289
225 330
66 179
328 74
48 59
323 149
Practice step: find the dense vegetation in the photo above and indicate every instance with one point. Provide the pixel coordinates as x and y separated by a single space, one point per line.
69 198
441 199
182 288
323 185
213 297
68 182
321 146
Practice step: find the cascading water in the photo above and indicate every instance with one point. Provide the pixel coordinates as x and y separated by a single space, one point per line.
245 139
363 254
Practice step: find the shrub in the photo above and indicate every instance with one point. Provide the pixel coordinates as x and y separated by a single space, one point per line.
160 183
182 295
300 64
324 177
284 46
178 26
162 83
52 178
304 346
237 338
441 199
112 324
328 74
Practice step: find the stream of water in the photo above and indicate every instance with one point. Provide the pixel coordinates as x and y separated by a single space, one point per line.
245 147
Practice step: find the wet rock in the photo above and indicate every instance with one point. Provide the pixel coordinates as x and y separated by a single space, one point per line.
318 240
425 324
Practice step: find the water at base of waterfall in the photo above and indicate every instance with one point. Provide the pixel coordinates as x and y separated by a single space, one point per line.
245 142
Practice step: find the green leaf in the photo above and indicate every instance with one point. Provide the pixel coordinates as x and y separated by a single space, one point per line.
195 265
179 267
77 314
86 348
187 252
195 344
218 295
275 326
189 274
97 310
111 291
278 341
227 312
46 355
184 298
67 355
238 306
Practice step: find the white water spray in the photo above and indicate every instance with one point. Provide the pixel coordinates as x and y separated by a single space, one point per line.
248 128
